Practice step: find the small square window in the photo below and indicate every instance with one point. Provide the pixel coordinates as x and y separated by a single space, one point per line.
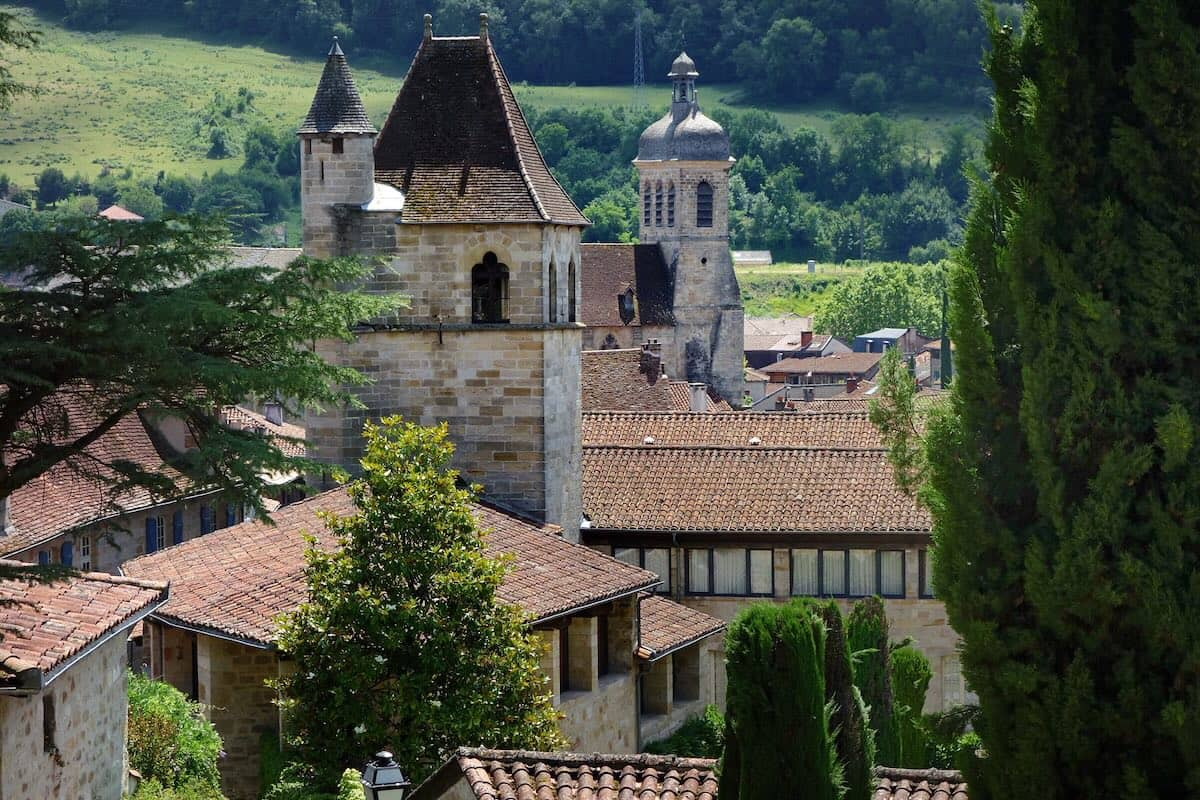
338 146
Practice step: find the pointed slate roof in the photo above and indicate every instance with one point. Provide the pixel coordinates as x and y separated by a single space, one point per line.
337 108
458 146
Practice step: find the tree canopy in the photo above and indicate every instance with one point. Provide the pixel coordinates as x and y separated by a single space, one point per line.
884 295
13 36
403 644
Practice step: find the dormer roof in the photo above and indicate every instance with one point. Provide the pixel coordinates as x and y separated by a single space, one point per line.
337 107
458 146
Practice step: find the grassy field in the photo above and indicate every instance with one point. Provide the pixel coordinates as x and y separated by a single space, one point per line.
790 288
134 99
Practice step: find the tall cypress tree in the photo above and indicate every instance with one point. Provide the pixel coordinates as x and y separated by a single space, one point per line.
1062 478
852 736
776 713
867 635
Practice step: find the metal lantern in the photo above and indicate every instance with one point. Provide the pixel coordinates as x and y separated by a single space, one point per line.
383 780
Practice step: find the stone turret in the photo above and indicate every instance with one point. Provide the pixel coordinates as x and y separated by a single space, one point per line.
683 162
337 161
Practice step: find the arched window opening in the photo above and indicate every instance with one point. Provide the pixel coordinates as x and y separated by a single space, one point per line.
489 291
671 205
552 293
658 205
704 205
646 205
571 291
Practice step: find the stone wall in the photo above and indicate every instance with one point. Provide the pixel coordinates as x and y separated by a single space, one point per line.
327 179
232 686
603 720
510 396
90 707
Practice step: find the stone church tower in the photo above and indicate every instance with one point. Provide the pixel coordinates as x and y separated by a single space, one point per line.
683 164
455 204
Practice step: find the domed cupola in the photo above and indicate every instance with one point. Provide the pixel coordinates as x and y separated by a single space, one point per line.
684 134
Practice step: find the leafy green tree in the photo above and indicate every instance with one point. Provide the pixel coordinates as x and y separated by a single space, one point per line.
777 718
868 92
853 738
149 317
403 643
169 739
867 638
141 199
911 674
884 295
52 186
613 215
13 36
1062 478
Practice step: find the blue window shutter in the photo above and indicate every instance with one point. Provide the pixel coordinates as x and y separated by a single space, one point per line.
177 528
206 519
151 535
67 554
230 515
43 557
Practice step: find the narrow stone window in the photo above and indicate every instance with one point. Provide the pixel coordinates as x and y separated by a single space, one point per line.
704 205
646 205
489 290
308 147
85 553
552 293
671 205
322 170
571 291
49 724
338 146
658 205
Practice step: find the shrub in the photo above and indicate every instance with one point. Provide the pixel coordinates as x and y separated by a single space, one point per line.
169 741
867 637
911 674
702 736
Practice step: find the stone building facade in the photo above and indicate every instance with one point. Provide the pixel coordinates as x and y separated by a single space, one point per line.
463 219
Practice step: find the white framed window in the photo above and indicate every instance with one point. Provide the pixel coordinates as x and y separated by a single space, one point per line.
806 573
160 533
85 553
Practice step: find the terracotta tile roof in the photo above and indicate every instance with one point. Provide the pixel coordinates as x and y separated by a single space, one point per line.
912 784
759 489
64 497
47 624
458 146
235 581
837 364
521 775
857 403
666 626
8 205
844 431
607 270
285 434
336 107
752 374
681 398
119 214
624 380
275 257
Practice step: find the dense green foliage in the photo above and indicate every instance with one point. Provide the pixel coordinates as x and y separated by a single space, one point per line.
777 717
150 318
170 741
865 54
884 296
702 736
294 785
853 738
911 674
403 644
867 639
1062 477
13 36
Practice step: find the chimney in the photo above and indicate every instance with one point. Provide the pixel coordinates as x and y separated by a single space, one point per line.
851 384
805 338
697 397
5 518
650 364
273 412
483 26
428 27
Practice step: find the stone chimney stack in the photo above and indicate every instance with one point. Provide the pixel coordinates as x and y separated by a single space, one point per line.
805 338
697 397
851 384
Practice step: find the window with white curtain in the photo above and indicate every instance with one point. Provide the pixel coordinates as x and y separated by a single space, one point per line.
729 571
862 573
762 579
833 572
697 572
630 555
891 573
658 561
805 573
926 587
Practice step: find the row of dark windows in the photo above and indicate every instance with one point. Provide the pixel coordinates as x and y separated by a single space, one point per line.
749 572
653 206
489 291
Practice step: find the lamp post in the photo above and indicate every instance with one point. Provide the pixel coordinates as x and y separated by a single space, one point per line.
383 780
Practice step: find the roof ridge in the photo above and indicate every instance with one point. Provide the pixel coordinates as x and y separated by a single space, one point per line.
99 577
572 758
930 774
727 415
501 84
758 448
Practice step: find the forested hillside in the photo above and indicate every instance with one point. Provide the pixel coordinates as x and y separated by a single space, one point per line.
863 52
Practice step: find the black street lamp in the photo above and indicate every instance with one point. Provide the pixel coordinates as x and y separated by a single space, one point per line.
383 780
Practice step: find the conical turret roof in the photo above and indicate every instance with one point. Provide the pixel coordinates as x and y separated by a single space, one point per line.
337 108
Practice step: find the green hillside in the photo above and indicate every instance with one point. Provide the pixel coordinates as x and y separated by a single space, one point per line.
147 99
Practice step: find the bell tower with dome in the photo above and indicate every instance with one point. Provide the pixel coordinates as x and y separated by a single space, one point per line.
683 165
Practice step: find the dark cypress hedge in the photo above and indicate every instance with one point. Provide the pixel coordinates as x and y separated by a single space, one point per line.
853 739
777 719
1063 479
867 635
911 674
